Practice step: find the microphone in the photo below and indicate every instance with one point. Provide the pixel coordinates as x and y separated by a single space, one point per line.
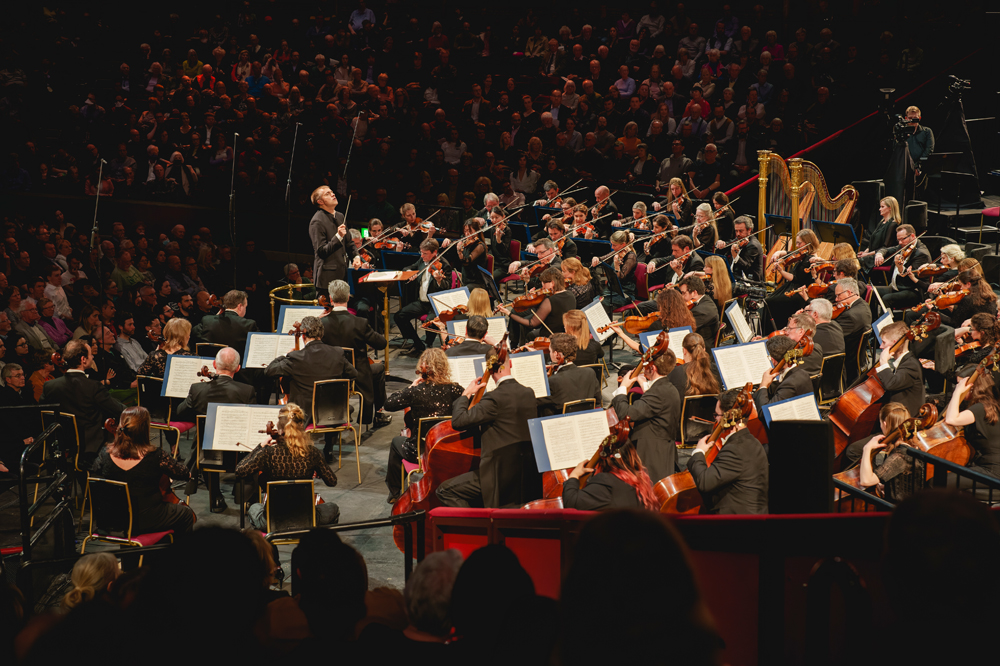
236 133
299 124
103 161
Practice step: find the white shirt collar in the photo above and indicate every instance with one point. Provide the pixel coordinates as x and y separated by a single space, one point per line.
505 379
76 370
340 308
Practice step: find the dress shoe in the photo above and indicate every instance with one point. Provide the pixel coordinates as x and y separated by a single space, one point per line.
328 456
381 420
219 504
392 499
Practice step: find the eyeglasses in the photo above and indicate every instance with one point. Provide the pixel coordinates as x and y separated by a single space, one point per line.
21 344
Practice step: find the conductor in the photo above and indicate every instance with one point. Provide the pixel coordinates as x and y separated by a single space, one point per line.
330 240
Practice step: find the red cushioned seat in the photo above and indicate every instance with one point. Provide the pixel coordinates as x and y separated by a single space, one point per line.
409 467
147 539
992 212
182 426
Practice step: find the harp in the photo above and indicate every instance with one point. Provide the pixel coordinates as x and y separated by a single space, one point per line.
798 190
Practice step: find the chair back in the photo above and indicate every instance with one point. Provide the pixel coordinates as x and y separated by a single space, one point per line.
853 348
703 407
330 406
641 283
515 249
110 508
489 262
598 370
349 355
291 505
579 406
69 434
149 397
991 268
831 381
423 427
208 349
935 243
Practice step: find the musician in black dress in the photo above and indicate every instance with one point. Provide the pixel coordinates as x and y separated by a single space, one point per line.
658 251
430 394
132 459
795 274
883 236
589 351
976 407
982 329
579 281
791 382
547 318
952 257
500 237
980 299
618 482
471 254
899 474
725 218
705 234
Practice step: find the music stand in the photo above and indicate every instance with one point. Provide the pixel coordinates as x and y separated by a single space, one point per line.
588 248
491 285
834 232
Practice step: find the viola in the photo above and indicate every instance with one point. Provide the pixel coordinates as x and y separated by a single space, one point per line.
446 316
533 270
538 344
365 257
635 324
822 266
967 347
386 245
794 356
205 372
552 481
774 334
945 300
532 299
166 492
655 351
678 493
449 342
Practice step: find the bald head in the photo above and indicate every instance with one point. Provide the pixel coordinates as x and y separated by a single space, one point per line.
227 362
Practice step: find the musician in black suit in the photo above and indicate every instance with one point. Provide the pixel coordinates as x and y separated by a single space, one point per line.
905 289
737 480
342 329
705 311
682 246
655 415
900 371
83 397
19 430
793 380
507 474
428 281
231 328
829 335
223 389
332 249
568 382
747 262
473 345
801 324
854 321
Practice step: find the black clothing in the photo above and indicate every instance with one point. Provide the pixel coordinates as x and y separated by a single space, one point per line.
570 382
591 355
656 419
469 347
905 384
830 337
149 512
560 303
331 255
314 362
985 439
342 329
749 262
795 383
424 400
706 320
471 259
89 401
223 389
856 319
737 480
881 238
227 328
278 463
603 491
813 363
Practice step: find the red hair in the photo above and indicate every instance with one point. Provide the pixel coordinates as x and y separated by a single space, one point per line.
630 469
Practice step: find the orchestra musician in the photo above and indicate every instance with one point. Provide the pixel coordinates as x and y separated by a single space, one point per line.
547 317
715 275
413 235
500 237
131 459
289 457
882 237
623 261
905 289
473 345
951 258
507 474
791 382
681 246
568 382
780 304
430 394
707 233
696 376
605 208
658 253
655 415
983 329
976 407
854 321
677 202
747 261
638 219
328 232
725 218
674 313
900 371
829 335
704 309
578 281
800 324
580 212
176 338
556 231
342 329
547 254
618 482
898 475
588 350
471 253
428 281
980 299
737 480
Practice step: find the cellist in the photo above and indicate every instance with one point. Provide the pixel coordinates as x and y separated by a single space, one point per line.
737 480
792 381
899 370
618 482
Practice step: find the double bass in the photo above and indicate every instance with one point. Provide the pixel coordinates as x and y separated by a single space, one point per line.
445 454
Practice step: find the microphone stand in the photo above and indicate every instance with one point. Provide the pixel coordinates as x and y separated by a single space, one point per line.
232 195
97 201
288 190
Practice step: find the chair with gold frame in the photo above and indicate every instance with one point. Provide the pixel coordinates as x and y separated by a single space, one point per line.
579 405
72 436
290 505
111 517
331 412
423 427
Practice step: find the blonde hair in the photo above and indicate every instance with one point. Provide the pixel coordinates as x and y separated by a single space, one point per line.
268 565
177 333
435 366
291 424
954 252
722 286
670 191
845 251
91 574
575 320
479 303
893 208
581 275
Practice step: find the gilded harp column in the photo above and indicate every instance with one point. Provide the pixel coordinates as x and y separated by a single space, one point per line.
795 173
763 169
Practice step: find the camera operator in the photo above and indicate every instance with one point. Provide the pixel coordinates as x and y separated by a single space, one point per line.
919 139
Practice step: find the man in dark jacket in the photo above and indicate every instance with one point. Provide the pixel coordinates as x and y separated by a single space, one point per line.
328 233
427 281
705 310
791 382
568 382
473 345
231 328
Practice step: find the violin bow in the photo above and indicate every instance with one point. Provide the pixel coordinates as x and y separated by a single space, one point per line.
382 235
728 245
903 247
715 216
775 261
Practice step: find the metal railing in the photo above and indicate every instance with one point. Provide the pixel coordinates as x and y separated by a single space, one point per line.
869 502
405 520
983 486
56 486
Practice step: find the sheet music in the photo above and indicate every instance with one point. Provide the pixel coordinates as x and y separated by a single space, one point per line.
496 327
257 421
290 315
597 317
529 370
739 322
449 299
181 373
572 438
262 348
381 276
675 336
880 324
236 426
800 408
740 364
463 369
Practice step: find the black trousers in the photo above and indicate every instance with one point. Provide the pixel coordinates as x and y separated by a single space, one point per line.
404 320
394 470
166 516
462 491
896 300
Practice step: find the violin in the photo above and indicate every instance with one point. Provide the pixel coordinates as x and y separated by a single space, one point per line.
271 431
814 290
57 361
166 492
774 334
967 347
678 493
796 256
839 309
655 351
930 270
532 271
446 316
822 266
794 356
386 245
945 300
205 372
635 324
449 342
532 299
538 344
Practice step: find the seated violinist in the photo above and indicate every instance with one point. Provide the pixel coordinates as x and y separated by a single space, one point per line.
548 255
673 313
655 415
618 482
427 281
899 370
546 317
473 344
132 459
658 251
897 475
792 380
983 331
568 382
802 324
557 234
623 261
829 335
291 456
685 260
703 308
736 481
793 267
905 288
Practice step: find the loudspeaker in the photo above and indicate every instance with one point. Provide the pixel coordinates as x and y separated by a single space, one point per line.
916 215
870 192
801 476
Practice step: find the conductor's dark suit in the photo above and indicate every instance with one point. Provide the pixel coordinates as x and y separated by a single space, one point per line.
88 400
655 426
314 362
568 383
342 329
330 254
736 482
223 389
507 474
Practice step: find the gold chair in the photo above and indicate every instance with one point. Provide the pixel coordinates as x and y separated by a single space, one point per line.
423 427
579 405
111 512
331 412
290 505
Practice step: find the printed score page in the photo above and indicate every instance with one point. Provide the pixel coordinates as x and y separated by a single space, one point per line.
262 348
597 317
880 324
528 369
571 438
676 340
463 369
381 276
496 327
237 426
448 300
801 408
739 364
182 373
739 322
290 315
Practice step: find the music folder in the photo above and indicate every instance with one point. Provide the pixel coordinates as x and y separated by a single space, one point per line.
596 318
234 427
527 368
564 440
449 299
181 372
739 322
800 408
880 324
675 335
289 314
739 364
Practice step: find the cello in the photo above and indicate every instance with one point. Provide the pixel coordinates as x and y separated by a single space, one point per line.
678 493
445 454
855 413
